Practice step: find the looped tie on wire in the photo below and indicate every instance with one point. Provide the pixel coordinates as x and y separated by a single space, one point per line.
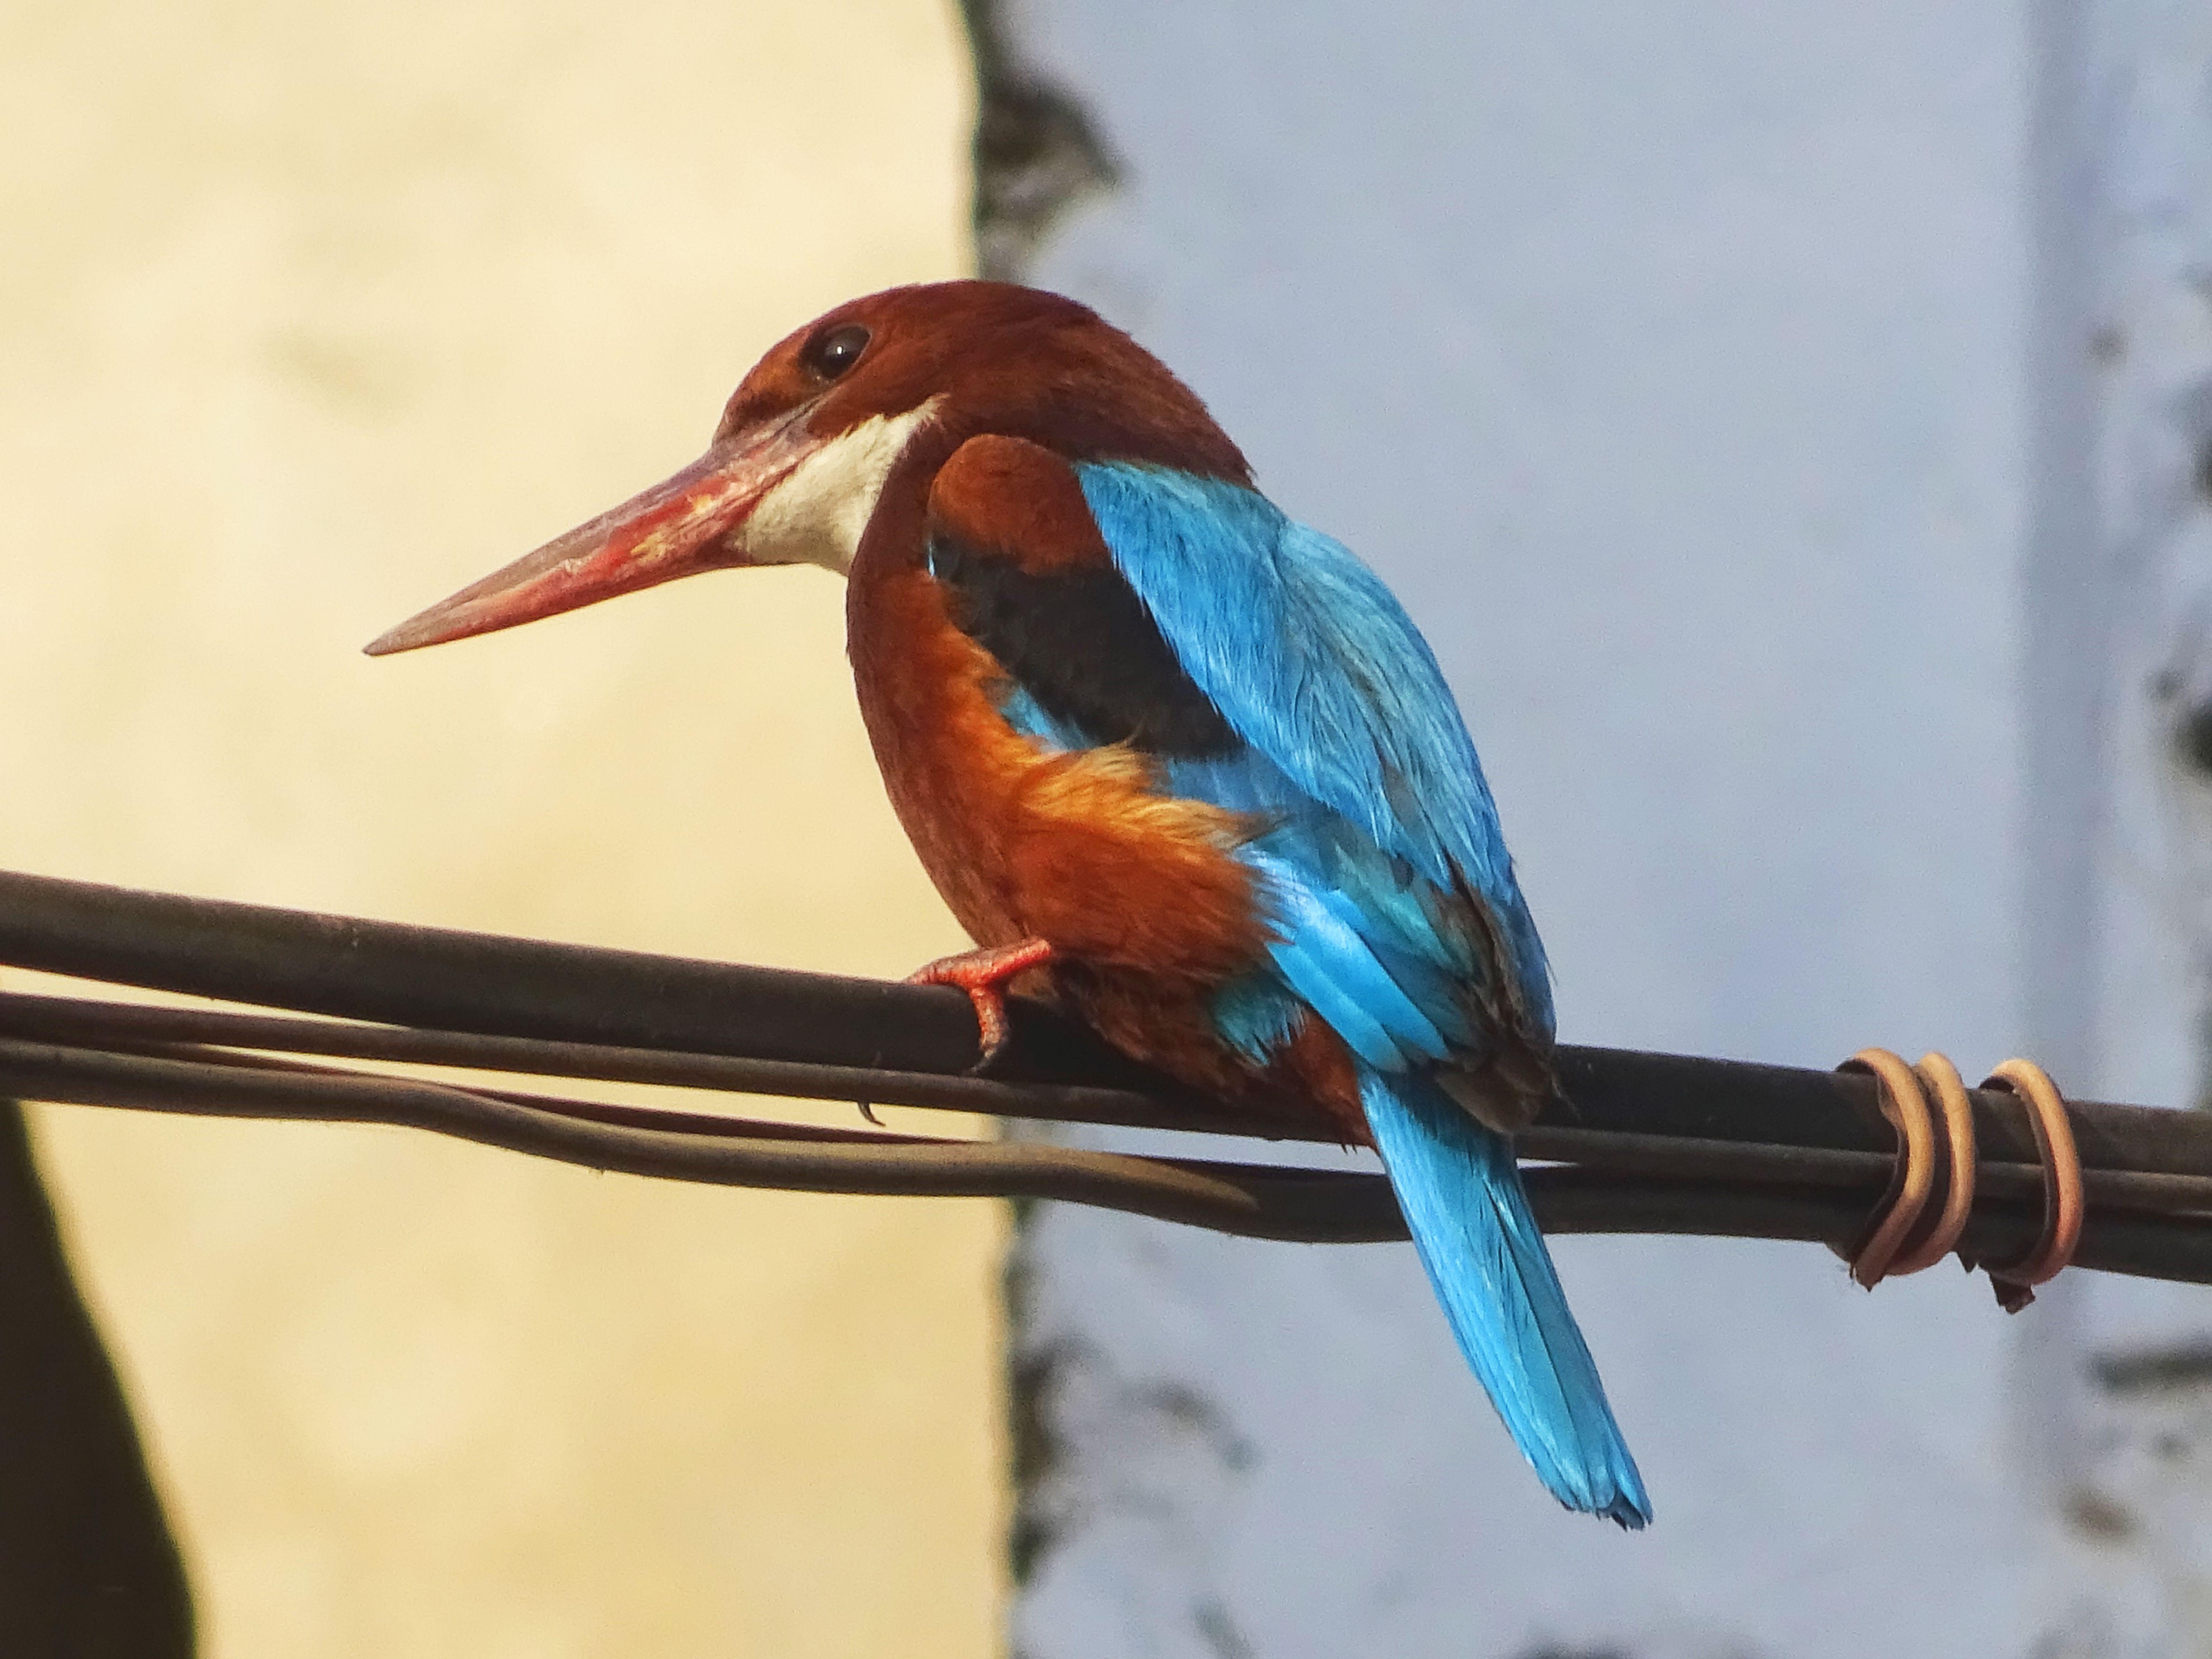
2014 1282
1896 1239
1899 1237
1936 1072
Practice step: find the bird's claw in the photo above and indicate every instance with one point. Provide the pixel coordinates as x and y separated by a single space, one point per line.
983 975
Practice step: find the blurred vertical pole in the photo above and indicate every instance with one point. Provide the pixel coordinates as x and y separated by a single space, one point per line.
2069 604
2068 588
87 1568
2115 1389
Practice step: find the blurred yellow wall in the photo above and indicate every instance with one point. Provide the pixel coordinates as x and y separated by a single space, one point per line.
308 315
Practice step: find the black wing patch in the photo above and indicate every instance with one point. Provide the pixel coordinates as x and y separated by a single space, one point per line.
1081 643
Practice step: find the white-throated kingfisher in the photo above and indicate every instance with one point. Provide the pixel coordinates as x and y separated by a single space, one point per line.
1175 760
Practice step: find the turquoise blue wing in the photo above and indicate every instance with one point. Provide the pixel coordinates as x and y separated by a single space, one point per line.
1388 860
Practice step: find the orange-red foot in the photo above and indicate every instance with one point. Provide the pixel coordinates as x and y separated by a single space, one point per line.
983 976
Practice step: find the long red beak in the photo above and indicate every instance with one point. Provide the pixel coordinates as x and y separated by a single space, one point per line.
689 523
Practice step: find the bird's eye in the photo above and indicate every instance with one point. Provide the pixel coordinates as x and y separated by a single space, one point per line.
830 355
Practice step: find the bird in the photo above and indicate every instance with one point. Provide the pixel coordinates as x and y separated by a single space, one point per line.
1173 759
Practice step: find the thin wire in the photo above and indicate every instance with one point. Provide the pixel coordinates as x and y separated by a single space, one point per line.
1255 1201
70 1019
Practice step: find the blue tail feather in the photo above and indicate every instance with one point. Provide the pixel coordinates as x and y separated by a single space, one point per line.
1461 1190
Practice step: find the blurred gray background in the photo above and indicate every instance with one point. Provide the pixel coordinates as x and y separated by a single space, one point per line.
1790 424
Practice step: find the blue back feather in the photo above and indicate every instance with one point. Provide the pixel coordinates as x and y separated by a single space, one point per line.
1356 756
1314 664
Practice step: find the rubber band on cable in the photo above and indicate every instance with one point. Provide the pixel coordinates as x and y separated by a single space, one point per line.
2014 1282
1942 1078
1912 1177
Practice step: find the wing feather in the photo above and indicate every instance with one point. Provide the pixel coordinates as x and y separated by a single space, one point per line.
1357 749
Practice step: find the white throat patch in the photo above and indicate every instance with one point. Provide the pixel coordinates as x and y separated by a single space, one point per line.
817 515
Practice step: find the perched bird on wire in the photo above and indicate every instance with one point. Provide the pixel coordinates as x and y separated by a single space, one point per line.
1172 758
